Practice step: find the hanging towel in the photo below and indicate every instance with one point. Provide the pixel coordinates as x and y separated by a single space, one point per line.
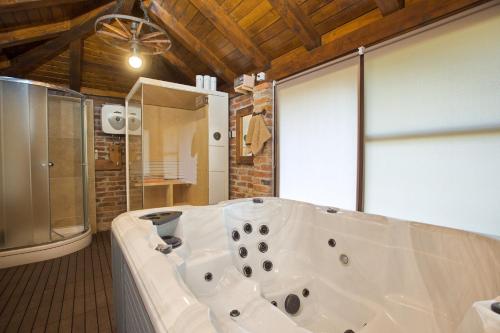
257 134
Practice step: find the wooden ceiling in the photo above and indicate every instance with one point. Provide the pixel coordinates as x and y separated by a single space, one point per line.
53 40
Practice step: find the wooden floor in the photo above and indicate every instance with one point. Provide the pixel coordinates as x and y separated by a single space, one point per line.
67 294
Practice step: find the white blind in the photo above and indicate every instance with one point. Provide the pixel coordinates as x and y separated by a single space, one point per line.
317 136
433 126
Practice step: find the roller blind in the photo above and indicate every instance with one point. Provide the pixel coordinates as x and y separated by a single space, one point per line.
317 136
433 126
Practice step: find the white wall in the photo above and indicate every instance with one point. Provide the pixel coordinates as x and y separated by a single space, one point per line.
429 99
317 136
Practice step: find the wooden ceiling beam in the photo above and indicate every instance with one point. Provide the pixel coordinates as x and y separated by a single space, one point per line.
189 41
127 7
159 70
28 61
4 61
104 93
407 19
75 64
178 63
232 31
389 6
15 5
31 34
40 32
298 21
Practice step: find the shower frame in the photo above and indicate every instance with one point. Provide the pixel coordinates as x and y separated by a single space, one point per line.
54 248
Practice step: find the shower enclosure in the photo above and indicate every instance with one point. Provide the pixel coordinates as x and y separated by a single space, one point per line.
43 170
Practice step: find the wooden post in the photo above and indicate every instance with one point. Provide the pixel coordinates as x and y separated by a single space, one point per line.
75 64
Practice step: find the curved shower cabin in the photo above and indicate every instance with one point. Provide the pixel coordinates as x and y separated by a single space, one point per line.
43 172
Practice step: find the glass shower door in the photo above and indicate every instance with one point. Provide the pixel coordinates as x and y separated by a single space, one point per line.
42 164
24 167
65 149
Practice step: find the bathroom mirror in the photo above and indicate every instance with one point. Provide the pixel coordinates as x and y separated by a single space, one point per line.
243 153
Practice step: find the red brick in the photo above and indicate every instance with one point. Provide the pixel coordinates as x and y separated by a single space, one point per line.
110 185
248 180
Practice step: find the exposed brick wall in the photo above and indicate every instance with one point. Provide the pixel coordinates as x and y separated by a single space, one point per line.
110 187
252 180
245 180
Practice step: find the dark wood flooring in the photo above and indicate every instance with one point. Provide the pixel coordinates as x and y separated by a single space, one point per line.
67 294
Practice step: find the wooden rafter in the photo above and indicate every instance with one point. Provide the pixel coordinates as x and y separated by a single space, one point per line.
231 30
31 34
40 32
298 21
178 63
30 60
75 64
15 5
389 6
4 61
105 93
161 70
127 7
189 41
409 18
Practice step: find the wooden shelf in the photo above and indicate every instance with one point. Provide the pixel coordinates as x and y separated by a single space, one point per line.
168 183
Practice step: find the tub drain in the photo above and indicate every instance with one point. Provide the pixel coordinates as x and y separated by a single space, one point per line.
495 307
234 313
292 304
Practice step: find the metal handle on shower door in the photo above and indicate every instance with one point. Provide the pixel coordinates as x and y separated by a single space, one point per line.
51 164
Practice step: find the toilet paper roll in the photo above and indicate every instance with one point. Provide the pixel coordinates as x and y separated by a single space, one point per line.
206 82
199 81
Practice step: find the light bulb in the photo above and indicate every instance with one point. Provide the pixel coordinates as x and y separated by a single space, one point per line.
135 61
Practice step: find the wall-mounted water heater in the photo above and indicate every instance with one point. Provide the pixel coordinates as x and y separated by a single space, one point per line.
113 119
134 119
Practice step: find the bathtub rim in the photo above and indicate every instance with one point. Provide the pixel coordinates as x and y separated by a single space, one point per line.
139 276
368 217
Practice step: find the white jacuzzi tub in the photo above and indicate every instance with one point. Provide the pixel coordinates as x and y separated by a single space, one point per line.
320 270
